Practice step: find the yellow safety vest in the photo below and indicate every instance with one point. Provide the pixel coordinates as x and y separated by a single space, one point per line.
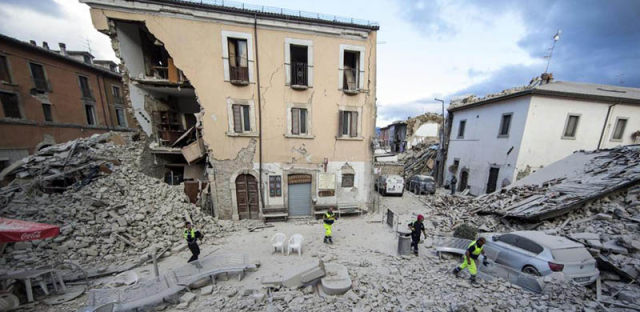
477 250
186 233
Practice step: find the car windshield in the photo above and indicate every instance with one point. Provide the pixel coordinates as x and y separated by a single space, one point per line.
578 254
426 179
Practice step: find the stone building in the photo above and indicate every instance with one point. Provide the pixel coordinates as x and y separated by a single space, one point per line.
52 96
503 137
281 102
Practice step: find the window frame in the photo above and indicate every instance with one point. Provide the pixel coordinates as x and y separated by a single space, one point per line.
252 118
93 113
615 127
125 122
361 66
275 186
502 123
348 175
288 42
566 125
18 105
84 96
44 73
44 112
462 125
8 68
225 53
115 96
348 115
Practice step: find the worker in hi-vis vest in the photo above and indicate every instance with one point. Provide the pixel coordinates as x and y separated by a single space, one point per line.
329 218
192 236
470 256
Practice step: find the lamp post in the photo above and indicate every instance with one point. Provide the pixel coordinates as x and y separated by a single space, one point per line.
441 145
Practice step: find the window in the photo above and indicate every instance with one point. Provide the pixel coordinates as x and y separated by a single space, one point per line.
571 127
275 186
39 78
121 117
84 87
117 97
348 124
351 70
238 60
347 179
299 65
298 121
87 59
461 126
528 245
241 118
508 239
4 69
91 114
46 110
618 131
10 105
505 124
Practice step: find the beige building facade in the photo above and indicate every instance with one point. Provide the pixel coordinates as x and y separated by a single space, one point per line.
285 105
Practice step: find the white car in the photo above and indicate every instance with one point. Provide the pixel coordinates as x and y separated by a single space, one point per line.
390 184
539 254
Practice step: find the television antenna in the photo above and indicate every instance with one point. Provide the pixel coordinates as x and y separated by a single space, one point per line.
556 37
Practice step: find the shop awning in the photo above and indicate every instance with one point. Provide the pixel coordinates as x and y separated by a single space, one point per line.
12 230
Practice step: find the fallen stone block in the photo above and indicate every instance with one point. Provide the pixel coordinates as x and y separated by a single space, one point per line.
613 246
207 290
585 236
304 275
336 281
187 298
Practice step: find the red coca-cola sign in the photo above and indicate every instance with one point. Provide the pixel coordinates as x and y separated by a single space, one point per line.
17 230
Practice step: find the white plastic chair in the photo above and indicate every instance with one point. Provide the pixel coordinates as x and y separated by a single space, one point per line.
277 242
295 243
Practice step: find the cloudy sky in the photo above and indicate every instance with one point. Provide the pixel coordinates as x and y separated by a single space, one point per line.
428 48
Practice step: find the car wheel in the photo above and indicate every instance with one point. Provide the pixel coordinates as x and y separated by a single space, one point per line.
531 270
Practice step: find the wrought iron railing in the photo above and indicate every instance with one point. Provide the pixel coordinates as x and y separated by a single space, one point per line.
238 73
299 73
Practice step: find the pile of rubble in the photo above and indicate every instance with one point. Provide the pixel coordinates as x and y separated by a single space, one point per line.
107 215
418 160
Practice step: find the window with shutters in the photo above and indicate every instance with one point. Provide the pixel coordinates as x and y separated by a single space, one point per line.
347 179
10 106
121 117
117 95
275 186
5 76
351 71
298 121
618 131
84 87
39 77
505 124
241 118
237 55
348 124
571 126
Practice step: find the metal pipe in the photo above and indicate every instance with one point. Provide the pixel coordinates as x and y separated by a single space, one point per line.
606 121
255 32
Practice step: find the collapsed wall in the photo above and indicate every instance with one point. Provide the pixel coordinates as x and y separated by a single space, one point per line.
110 215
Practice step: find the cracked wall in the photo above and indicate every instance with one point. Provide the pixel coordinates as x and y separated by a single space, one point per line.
197 49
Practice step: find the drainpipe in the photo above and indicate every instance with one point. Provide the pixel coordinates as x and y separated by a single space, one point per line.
255 32
606 121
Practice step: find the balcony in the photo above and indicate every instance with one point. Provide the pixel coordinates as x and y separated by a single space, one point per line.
299 76
239 75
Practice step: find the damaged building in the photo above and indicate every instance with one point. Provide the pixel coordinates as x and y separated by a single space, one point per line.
267 114
501 138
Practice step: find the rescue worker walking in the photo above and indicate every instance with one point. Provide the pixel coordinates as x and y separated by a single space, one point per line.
329 218
453 184
417 227
470 257
191 236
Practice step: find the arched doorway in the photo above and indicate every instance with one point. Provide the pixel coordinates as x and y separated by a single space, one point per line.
464 180
247 197
299 194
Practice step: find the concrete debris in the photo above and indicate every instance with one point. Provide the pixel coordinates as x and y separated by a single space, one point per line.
108 218
336 280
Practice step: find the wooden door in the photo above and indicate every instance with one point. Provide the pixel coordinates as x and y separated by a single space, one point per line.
247 197
493 179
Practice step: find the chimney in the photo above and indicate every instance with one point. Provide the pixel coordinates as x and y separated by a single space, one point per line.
33 42
63 48
45 45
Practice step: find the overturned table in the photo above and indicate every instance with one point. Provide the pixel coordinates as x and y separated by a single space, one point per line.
39 276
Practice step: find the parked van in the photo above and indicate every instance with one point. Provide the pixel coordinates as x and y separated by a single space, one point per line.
390 184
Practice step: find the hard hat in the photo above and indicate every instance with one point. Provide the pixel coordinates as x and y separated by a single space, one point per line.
420 217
